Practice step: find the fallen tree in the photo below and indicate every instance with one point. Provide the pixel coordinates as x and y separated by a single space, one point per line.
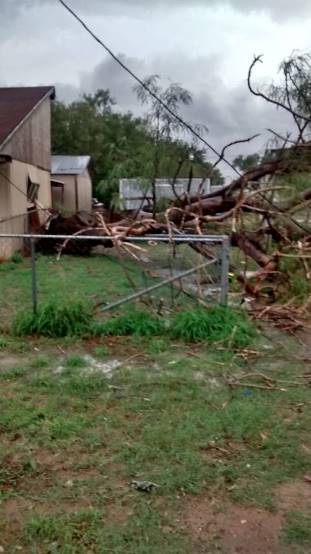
259 210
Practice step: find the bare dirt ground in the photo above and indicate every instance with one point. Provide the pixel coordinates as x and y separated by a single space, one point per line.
240 530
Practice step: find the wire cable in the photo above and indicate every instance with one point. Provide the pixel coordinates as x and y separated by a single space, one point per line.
39 208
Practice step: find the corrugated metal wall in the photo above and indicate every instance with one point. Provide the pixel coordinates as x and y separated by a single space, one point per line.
133 191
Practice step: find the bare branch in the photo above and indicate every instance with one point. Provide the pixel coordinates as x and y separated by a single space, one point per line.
256 92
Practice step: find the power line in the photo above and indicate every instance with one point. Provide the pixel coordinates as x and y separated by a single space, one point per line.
146 87
13 184
24 214
19 190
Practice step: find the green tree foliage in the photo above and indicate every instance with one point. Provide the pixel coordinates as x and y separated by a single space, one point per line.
124 146
245 163
295 88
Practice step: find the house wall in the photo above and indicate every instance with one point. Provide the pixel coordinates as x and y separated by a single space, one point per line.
32 141
83 184
14 202
85 192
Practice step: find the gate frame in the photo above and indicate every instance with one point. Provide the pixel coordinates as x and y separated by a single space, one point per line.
223 240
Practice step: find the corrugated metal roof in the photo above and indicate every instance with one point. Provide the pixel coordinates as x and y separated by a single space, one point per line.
16 103
70 165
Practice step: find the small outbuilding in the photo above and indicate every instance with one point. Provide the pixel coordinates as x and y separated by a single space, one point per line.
71 182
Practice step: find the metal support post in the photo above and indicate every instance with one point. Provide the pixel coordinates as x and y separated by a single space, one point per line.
225 271
33 276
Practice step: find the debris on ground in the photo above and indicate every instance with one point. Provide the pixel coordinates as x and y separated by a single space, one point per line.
282 317
143 486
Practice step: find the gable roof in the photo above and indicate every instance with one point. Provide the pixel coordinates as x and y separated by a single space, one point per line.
70 165
16 105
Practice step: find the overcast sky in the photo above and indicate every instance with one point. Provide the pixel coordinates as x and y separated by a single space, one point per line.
206 45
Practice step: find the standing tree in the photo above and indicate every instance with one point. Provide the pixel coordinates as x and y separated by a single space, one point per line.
165 128
245 163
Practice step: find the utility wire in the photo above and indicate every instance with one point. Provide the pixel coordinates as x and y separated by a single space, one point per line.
19 190
13 184
148 89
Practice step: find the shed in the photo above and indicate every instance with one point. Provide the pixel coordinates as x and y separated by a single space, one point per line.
72 183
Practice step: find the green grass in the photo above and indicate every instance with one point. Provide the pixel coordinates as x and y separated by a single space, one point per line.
55 320
85 531
173 422
216 324
132 323
17 258
96 279
72 440
101 352
3 343
75 360
297 529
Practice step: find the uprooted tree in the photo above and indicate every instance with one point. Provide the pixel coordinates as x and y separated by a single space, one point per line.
265 209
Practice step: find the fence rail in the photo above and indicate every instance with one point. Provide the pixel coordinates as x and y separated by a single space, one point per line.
221 260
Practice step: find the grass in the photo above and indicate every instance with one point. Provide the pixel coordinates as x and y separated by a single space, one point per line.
172 421
72 440
132 323
96 279
55 320
217 324
298 529
75 360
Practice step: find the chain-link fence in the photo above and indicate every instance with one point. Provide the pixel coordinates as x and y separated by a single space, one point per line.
162 271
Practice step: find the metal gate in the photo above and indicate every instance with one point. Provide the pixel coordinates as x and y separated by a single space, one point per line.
165 269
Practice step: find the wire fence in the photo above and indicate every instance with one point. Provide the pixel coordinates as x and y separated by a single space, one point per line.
161 271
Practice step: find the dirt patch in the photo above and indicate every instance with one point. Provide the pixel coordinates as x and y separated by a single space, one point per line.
18 509
295 495
8 362
117 514
236 529
241 530
241 527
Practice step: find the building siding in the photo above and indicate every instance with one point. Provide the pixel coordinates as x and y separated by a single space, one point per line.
83 184
32 141
133 195
14 204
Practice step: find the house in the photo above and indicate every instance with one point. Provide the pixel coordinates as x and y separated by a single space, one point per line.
72 183
134 194
25 160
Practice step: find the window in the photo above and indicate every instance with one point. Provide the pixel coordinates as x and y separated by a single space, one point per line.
32 190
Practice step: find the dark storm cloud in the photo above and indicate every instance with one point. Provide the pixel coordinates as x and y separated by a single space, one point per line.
228 114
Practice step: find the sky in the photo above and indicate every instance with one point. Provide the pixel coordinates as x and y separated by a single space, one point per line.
205 45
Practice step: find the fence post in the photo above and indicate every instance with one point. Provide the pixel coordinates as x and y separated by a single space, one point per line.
33 276
224 271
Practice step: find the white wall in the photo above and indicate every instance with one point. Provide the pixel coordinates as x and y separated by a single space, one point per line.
132 191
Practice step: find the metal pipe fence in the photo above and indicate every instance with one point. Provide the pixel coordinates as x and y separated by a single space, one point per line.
220 259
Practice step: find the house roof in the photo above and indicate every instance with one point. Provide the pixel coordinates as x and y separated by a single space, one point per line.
70 165
16 105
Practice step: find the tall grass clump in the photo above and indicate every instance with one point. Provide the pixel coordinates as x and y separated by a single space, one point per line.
216 324
132 323
55 320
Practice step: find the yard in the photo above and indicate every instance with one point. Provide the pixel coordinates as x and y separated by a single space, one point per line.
84 422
